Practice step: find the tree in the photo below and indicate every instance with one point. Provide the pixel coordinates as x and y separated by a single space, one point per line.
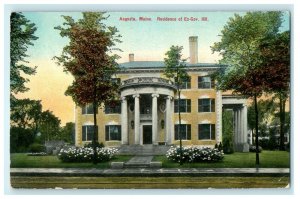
89 58
21 37
227 131
25 113
175 69
239 47
68 132
276 54
49 126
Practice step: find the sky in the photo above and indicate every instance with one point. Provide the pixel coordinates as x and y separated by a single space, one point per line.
148 40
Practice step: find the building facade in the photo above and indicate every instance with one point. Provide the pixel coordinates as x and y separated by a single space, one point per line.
148 109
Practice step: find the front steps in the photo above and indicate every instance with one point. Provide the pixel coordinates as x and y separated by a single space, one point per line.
143 150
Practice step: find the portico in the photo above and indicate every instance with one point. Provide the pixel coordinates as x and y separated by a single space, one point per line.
239 107
146 110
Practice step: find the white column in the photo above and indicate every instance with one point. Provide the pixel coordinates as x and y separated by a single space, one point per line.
235 126
168 120
136 119
124 121
245 124
154 118
239 126
172 122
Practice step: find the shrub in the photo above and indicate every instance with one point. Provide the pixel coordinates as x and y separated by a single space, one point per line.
252 148
228 146
195 154
85 154
36 148
90 145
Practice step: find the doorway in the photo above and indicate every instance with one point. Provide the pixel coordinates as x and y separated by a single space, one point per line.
147 134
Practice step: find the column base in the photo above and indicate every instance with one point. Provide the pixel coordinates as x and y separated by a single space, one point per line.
241 147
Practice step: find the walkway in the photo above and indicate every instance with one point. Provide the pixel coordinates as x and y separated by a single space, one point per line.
234 172
139 162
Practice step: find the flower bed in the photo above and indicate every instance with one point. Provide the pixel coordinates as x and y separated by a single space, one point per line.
195 154
85 154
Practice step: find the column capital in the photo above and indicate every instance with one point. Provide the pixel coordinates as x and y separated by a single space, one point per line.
169 97
123 98
136 95
155 95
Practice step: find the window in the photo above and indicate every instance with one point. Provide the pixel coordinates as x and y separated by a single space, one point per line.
206 131
185 105
186 83
112 132
206 105
113 109
88 109
185 131
88 132
205 82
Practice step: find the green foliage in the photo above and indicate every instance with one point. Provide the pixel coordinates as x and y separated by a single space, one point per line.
175 67
36 148
228 133
85 154
20 139
68 133
49 126
21 37
97 144
195 154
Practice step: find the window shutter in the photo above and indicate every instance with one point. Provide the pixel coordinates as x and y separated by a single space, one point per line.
212 108
213 131
106 133
83 138
176 106
188 132
83 110
212 83
188 105
176 131
119 133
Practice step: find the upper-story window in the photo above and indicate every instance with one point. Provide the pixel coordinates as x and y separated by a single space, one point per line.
185 106
206 105
88 109
186 83
113 109
205 82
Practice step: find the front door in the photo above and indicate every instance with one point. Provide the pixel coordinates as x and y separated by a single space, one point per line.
147 134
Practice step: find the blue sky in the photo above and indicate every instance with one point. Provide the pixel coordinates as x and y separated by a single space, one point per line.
148 40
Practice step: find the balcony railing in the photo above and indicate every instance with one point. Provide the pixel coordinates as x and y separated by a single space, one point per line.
142 81
146 117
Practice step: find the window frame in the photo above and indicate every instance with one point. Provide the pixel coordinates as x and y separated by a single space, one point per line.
186 127
212 105
186 106
108 133
113 110
85 132
202 84
212 132
88 109
186 84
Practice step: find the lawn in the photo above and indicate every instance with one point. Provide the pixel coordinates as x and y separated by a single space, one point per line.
22 160
268 159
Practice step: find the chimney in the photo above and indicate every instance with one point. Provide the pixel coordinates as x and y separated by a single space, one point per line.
131 57
193 49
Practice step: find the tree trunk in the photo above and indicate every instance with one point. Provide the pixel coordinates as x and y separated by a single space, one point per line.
95 136
282 101
256 130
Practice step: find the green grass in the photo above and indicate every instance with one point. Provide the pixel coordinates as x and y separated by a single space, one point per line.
268 159
22 160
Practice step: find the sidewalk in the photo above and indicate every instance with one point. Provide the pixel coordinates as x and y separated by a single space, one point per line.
148 172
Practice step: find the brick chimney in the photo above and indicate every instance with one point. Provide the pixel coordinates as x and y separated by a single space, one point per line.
131 57
193 49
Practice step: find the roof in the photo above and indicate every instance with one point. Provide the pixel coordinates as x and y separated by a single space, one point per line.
159 64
